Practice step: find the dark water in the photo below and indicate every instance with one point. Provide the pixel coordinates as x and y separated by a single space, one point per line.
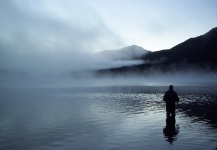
126 117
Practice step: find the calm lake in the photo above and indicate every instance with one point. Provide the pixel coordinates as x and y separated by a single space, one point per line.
106 118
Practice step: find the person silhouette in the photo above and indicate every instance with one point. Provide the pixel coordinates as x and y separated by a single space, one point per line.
170 97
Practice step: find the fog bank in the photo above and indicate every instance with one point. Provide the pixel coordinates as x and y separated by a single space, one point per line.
90 79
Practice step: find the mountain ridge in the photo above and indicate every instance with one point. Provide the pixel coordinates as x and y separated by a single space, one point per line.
126 53
199 52
194 50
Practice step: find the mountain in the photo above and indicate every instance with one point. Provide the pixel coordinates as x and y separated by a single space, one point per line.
198 50
195 53
127 53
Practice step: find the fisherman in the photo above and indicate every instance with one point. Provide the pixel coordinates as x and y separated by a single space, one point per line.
170 97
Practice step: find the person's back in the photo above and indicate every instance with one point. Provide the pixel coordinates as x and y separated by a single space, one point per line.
170 97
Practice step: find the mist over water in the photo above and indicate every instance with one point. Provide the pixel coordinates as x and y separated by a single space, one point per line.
90 78
67 105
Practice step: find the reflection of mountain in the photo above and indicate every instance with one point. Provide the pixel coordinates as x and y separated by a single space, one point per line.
126 53
195 53
201 108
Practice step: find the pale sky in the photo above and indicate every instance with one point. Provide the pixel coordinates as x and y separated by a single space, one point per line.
33 31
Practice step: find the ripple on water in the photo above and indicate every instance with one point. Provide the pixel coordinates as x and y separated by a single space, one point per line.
131 119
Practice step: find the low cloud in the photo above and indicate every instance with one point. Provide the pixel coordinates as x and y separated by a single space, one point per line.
45 41
38 36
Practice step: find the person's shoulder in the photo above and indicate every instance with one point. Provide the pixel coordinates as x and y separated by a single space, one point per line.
174 91
167 91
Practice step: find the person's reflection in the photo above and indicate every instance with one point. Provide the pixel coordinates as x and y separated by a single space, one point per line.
170 131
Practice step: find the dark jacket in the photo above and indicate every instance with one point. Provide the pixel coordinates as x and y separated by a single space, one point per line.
170 97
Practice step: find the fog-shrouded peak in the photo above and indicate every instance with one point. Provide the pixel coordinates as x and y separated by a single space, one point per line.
126 53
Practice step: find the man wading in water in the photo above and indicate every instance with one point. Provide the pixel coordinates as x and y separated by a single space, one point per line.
170 97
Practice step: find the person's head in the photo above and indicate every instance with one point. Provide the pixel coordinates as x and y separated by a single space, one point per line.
171 87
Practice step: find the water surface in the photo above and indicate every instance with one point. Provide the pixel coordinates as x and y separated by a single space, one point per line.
112 117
